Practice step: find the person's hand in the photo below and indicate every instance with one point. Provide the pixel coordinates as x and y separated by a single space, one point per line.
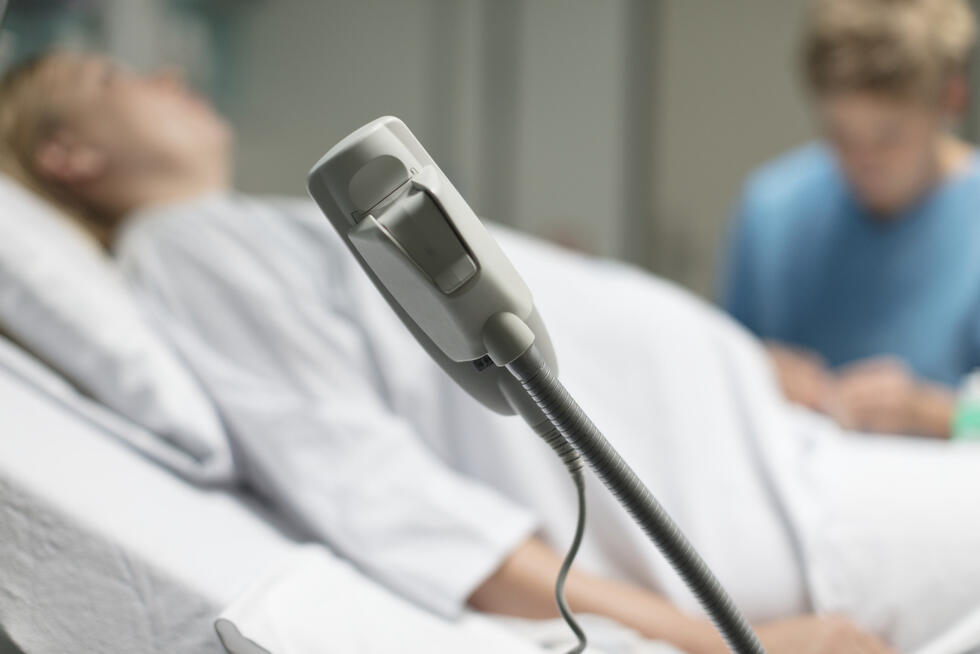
809 634
875 395
803 375
882 395
819 635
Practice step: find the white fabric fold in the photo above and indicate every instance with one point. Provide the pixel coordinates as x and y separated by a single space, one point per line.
61 298
318 604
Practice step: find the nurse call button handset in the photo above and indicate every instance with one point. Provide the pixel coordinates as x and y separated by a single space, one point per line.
455 290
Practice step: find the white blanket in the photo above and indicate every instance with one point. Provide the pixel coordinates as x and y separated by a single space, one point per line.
791 513
883 529
317 604
962 638
894 541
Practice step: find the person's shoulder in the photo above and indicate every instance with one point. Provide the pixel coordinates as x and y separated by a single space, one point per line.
176 221
207 231
788 183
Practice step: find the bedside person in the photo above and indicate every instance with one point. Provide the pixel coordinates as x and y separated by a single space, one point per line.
856 258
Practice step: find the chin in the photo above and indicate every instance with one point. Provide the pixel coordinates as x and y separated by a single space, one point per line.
217 139
884 207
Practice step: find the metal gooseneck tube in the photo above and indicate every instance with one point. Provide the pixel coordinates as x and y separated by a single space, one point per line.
572 422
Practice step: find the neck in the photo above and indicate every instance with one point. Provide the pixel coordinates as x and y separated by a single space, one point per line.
132 193
163 191
952 157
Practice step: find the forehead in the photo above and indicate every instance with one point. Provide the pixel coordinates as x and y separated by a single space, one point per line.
76 78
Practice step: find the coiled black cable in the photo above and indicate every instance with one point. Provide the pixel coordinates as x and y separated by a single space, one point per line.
573 462
534 375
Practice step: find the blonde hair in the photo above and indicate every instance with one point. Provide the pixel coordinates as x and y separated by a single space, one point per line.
31 111
894 47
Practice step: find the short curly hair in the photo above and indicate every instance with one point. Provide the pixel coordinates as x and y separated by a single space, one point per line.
892 47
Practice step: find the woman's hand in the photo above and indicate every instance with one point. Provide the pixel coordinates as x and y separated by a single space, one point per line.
803 375
819 635
807 635
524 586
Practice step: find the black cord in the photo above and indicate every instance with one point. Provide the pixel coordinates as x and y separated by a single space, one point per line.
532 371
573 461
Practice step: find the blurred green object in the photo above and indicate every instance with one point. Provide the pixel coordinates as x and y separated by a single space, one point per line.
966 422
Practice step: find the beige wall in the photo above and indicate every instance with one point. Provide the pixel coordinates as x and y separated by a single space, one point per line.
570 145
311 75
523 102
729 100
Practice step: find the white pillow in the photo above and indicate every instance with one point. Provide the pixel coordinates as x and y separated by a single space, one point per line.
18 364
61 298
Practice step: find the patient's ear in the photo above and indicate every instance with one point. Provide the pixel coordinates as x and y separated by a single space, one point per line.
67 160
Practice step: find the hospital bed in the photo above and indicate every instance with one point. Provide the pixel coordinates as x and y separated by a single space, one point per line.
105 546
103 551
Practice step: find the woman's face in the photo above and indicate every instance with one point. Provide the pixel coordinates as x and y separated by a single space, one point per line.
136 122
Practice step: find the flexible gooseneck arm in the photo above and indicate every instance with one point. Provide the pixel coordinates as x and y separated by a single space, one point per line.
510 344
576 427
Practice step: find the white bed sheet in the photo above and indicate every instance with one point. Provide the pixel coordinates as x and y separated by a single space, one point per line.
102 551
284 614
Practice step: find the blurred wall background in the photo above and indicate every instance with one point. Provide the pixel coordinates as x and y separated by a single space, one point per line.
618 127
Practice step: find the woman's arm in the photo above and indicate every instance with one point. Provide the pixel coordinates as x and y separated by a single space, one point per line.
523 586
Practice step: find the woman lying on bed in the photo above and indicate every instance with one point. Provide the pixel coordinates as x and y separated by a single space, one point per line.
342 423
